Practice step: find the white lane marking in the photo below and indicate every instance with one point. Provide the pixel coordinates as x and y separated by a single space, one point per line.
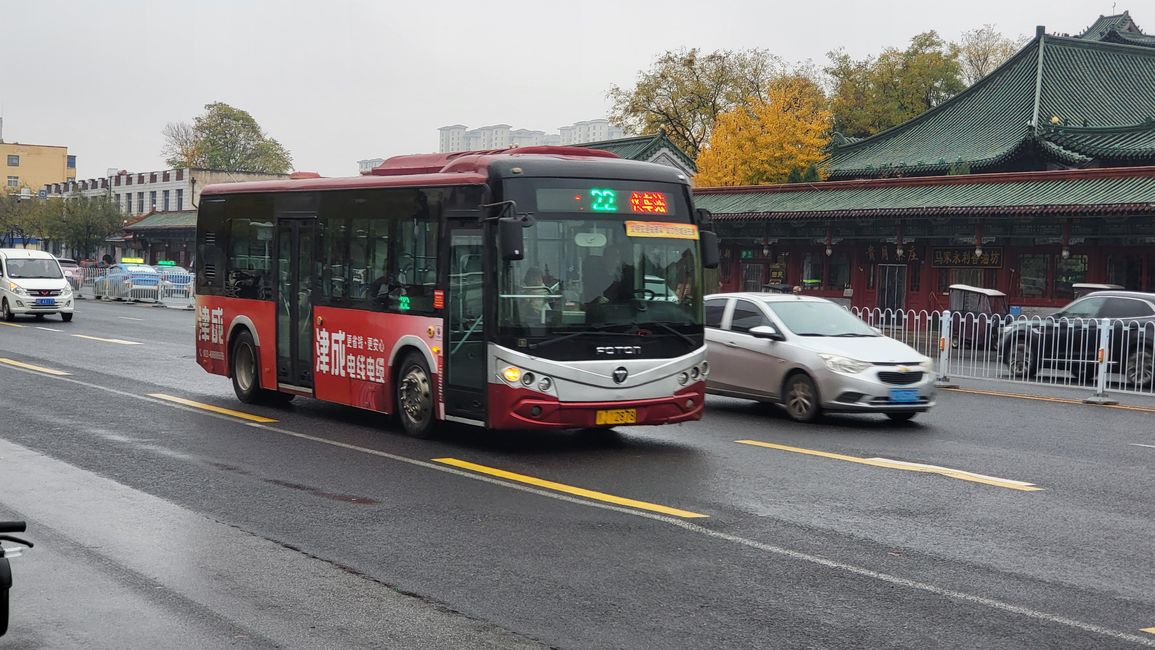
990 603
1135 444
97 338
129 318
49 329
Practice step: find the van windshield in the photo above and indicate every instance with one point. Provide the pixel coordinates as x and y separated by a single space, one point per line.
33 268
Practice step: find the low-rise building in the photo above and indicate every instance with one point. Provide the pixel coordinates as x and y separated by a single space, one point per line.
29 167
169 190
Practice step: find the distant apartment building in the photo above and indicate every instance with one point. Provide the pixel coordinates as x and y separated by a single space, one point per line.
458 137
29 167
169 190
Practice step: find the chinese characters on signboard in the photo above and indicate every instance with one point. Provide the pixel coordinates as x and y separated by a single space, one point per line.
343 355
891 254
965 256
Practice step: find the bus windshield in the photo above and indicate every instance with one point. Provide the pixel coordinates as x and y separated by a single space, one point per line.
602 275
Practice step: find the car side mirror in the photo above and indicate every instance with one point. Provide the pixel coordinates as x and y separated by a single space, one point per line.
766 332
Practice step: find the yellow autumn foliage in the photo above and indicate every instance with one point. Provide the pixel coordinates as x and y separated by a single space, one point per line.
763 142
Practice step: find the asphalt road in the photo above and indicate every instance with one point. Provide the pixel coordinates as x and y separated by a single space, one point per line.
161 523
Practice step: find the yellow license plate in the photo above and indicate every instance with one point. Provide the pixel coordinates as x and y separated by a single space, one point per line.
617 416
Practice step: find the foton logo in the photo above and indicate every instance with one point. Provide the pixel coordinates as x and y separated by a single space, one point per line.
619 350
620 375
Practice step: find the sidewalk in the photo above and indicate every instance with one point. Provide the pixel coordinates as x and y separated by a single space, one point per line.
1052 392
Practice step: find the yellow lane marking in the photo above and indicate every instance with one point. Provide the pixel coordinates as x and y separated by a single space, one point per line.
10 324
97 338
1148 630
569 489
214 409
28 366
888 463
1046 398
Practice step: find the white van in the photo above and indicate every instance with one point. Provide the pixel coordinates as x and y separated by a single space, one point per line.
31 282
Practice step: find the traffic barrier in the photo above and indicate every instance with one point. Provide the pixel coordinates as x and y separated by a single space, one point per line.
176 291
1106 355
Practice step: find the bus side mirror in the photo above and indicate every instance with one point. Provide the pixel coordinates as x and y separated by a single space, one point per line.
709 243
510 240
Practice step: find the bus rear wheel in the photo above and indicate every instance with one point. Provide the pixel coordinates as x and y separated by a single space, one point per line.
245 369
415 396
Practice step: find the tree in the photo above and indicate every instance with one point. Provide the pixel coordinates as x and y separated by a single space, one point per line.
874 94
982 50
684 91
85 222
224 138
20 219
771 140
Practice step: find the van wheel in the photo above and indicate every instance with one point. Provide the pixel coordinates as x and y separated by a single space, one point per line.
244 366
801 399
414 396
66 316
8 315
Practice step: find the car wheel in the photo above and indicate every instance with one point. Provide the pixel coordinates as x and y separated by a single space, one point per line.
8 315
1021 360
801 399
415 396
245 369
38 316
905 416
66 316
1140 372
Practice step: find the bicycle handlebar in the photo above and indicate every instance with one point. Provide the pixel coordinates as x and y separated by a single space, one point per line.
12 526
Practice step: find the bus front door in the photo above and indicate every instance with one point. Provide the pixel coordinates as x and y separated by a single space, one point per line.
294 302
465 376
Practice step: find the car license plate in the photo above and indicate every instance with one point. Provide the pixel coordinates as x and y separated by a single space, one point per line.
617 416
45 301
903 395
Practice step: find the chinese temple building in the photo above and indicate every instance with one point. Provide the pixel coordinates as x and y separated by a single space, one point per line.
1039 176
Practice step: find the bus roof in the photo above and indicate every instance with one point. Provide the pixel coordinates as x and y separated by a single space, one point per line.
470 168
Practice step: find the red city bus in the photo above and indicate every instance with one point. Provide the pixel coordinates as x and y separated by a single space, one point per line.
541 287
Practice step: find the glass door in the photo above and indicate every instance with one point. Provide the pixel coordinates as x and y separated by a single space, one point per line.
892 287
294 301
466 356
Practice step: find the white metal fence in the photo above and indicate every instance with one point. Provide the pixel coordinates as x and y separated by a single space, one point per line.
1099 354
164 289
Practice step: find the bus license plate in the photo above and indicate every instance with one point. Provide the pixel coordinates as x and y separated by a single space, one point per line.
903 395
617 416
46 301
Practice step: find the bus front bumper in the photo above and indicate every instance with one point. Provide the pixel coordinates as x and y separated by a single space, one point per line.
513 408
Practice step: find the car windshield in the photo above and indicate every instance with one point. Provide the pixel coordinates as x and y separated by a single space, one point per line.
68 264
33 268
814 318
148 270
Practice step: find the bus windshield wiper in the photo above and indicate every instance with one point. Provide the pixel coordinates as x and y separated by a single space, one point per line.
669 329
601 330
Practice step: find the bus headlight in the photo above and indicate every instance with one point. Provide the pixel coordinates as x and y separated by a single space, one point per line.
545 384
683 378
511 374
527 379
695 372
705 368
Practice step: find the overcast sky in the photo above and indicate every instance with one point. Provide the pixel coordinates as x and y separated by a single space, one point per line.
336 81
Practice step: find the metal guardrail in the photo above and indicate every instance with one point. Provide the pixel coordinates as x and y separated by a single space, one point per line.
1104 354
174 290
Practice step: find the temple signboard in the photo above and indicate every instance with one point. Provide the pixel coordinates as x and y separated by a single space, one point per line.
963 256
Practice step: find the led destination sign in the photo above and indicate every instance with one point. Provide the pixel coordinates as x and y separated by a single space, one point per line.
603 200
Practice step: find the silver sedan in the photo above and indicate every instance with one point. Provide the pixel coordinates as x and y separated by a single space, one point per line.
811 355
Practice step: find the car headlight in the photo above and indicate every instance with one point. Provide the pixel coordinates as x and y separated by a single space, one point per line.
844 364
17 289
927 364
66 290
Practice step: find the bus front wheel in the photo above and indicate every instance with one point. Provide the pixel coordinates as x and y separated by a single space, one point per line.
415 396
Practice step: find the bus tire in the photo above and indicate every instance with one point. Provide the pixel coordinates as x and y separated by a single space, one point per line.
414 396
244 368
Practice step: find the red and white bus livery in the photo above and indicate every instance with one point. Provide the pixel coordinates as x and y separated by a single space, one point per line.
541 287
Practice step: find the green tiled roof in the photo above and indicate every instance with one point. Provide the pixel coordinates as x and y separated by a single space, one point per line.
641 147
1067 192
1105 24
1004 115
159 220
1105 142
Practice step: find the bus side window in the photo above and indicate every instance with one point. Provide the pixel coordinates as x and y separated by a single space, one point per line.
250 259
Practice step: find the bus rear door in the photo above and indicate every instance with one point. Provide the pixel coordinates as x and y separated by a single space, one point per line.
295 244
